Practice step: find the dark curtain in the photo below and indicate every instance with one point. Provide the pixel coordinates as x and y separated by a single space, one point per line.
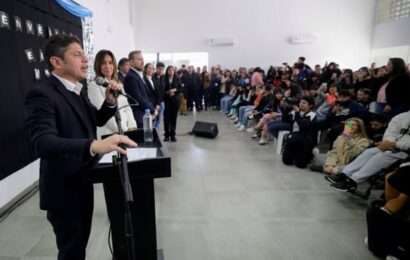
22 67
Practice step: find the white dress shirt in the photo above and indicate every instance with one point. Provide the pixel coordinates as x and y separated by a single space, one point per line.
70 86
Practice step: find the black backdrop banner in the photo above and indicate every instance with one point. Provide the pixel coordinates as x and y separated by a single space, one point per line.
25 26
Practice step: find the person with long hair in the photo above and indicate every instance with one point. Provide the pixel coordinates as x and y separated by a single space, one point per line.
105 66
347 146
153 92
171 100
398 88
392 96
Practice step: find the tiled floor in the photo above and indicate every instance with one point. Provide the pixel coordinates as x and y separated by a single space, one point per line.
229 198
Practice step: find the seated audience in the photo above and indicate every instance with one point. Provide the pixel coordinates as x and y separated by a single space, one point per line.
344 109
272 113
395 146
377 127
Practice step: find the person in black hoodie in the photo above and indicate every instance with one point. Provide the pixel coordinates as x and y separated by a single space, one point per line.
171 100
376 128
344 109
300 142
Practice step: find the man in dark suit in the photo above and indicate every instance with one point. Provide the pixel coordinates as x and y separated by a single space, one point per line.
61 125
192 83
135 86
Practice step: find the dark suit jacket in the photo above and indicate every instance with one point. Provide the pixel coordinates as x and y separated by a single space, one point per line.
159 85
152 92
192 82
121 77
172 100
61 127
136 88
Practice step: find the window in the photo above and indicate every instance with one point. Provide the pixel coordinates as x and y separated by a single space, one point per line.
392 10
196 59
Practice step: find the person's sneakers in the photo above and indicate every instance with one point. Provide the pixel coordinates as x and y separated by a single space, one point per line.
255 136
346 185
377 203
166 139
237 125
335 178
263 141
241 128
315 151
250 130
173 139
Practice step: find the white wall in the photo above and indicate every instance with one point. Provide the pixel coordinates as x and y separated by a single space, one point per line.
112 25
391 39
382 55
392 33
260 28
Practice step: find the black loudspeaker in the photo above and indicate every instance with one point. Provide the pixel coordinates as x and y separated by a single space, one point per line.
205 129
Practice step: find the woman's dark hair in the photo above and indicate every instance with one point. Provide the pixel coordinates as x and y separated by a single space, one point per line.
57 45
167 72
146 67
276 102
99 59
399 67
365 69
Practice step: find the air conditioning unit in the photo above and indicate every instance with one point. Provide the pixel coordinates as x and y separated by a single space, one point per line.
307 38
220 42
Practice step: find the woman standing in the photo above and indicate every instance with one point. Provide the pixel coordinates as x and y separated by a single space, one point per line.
152 92
171 104
105 66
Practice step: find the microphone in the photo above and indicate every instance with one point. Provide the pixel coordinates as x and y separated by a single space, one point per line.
105 83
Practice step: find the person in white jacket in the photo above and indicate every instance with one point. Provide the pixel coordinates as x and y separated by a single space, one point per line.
105 66
394 146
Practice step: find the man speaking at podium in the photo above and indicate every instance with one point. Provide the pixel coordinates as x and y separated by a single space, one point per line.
61 123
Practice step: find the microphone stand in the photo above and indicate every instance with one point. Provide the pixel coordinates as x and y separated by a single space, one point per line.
122 162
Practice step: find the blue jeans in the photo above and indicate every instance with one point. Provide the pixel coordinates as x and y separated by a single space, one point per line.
276 126
244 112
225 103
